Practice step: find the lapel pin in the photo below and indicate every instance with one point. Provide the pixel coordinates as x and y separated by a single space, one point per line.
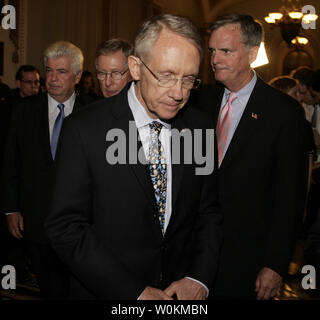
254 115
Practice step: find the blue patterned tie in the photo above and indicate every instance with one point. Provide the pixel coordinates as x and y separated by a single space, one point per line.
56 130
158 170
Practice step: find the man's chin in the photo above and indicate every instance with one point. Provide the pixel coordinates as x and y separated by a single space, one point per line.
168 115
110 94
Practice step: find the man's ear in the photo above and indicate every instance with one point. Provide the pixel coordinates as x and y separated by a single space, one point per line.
18 82
78 77
134 67
253 53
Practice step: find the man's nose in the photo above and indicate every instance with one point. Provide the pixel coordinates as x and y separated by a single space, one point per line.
176 91
108 79
214 58
53 76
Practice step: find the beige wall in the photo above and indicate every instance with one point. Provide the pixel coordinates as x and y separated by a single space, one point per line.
87 22
78 21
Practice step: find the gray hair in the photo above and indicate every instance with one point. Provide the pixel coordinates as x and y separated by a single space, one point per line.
65 49
151 29
112 46
251 30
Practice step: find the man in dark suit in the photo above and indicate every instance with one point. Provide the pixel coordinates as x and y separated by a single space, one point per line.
129 229
29 161
28 82
262 173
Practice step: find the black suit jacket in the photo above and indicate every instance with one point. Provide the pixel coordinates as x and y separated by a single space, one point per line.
262 181
103 220
28 164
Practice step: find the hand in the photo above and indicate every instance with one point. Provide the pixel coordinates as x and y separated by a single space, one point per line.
186 289
15 224
267 284
150 293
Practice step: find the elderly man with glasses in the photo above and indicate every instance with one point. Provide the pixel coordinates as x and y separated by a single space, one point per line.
148 230
112 66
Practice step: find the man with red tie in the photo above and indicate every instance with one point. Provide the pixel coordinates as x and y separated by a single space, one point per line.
261 164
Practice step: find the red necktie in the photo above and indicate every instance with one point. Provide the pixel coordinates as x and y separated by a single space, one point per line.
223 127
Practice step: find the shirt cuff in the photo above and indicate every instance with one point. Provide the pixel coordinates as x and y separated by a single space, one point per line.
207 290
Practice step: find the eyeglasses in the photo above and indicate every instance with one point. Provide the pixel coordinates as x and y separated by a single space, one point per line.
115 75
30 82
168 81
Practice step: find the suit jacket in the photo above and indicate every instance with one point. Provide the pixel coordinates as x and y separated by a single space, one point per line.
262 187
28 164
104 224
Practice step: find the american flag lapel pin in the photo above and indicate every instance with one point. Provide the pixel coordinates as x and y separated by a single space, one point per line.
254 116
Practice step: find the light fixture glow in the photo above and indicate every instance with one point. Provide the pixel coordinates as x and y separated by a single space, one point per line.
300 40
262 57
275 15
270 20
310 17
295 15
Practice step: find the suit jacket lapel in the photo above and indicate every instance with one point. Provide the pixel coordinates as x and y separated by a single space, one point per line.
42 116
177 169
123 114
217 104
249 122
77 104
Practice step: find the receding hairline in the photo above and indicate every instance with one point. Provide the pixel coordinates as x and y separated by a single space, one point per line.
164 30
237 26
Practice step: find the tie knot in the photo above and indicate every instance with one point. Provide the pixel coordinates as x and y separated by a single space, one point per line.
232 97
61 106
156 127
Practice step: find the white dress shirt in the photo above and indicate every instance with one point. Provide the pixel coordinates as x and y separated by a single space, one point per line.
53 110
142 120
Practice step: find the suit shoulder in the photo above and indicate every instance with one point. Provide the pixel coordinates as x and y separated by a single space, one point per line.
196 118
278 101
28 105
91 113
85 99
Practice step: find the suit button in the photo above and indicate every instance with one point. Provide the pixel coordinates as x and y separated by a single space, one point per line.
164 248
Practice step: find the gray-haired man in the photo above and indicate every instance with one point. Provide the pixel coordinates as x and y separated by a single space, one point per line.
29 159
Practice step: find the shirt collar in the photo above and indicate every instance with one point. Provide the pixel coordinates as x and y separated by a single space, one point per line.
140 115
244 93
67 104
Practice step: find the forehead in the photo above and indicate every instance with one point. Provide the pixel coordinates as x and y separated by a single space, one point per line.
229 33
30 74
64 62
172 51
112 60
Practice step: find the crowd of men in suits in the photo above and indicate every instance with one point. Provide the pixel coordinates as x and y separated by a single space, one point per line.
156 230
